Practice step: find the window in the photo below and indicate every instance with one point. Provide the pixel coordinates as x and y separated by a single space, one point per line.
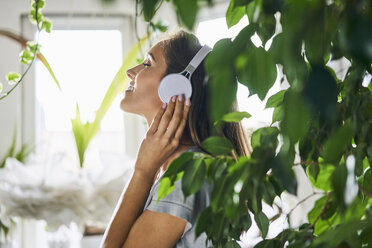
85 52
85 62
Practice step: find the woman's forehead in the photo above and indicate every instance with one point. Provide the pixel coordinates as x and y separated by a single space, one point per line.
157 51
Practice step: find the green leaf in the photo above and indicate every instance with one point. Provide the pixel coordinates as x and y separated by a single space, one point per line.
165 188
178 164
223 51
47 66
273 181
234 14
4 228
275 100
317 209
339 183
285 175
13 77
235 116
217 145
245 221
40 4
148 9
266 27
161 25
345 234
232 244
251 11
270 7
262 223
269 243
355 34
366 235
1 87
217 168
193 177
242 42
241 2
219 192
296 119
259 71
255 200
320 93
367 181
313 170
26 57
23 153
278 114
187 11
32 46
223 88
203 221
222 80
323 180
46 25
33 18
265 136
268 193
337 143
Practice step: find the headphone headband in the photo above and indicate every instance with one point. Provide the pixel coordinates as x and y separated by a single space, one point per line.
196 60
179 83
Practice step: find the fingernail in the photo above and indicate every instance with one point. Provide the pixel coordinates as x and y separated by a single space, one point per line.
164 105
188 102
173 98
180 98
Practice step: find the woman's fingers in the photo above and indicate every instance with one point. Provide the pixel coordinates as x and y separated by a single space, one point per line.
155 122
181 125
177 117
167 116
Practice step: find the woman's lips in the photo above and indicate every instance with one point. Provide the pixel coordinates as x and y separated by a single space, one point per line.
130 87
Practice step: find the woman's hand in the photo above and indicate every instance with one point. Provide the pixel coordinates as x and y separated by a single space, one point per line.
163 136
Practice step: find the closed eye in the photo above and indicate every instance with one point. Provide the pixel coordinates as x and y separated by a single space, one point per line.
146 64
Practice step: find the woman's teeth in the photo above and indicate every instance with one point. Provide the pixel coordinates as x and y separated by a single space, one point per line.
130 88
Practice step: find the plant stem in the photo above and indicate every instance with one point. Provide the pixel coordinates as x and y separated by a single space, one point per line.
33 58
323 209
28 68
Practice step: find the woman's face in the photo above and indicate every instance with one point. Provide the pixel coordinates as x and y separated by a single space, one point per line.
145 78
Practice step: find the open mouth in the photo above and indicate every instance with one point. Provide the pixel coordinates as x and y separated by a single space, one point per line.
130 87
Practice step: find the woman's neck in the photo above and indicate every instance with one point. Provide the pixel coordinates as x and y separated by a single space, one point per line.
181 148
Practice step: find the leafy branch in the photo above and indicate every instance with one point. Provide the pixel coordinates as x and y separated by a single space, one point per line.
323 210
29 54
327 118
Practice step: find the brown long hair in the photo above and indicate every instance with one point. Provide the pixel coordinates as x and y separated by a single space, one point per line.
179 48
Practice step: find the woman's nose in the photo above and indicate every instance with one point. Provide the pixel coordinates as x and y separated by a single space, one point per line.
130 73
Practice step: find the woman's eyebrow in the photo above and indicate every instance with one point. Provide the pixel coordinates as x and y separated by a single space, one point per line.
152 56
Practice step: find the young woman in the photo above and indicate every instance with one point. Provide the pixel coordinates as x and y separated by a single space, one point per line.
174 128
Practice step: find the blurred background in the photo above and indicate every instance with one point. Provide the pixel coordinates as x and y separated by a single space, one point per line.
85 49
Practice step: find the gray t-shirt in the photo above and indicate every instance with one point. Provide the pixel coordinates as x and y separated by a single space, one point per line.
189 210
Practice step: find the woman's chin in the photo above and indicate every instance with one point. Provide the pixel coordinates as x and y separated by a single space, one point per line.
124 105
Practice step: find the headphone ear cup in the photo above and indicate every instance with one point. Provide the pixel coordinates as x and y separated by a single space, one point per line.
174 84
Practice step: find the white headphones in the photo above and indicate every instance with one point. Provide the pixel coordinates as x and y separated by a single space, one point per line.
179 83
